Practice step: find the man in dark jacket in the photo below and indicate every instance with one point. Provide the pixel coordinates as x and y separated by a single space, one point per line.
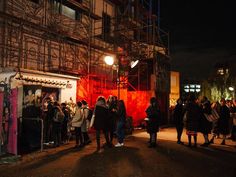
153 114
178 119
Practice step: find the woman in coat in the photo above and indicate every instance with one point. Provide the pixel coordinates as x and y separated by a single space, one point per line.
77 122
101 116
112 107
153 114
121 113
193 114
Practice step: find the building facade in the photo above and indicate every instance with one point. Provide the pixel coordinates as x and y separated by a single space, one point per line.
55 48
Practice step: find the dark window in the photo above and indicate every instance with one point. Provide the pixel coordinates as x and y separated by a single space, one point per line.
78 16
106 24
35 1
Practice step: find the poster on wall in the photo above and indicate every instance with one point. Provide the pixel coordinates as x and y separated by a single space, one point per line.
32 95
49 93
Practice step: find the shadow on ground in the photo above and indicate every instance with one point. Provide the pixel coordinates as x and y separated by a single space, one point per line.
115 162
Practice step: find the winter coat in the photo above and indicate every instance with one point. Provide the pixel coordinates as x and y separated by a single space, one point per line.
84 126
223 122
178 115
205 125
78 118
112 117
101 114
153 114
193 113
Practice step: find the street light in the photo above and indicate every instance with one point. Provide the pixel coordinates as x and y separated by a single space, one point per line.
109 60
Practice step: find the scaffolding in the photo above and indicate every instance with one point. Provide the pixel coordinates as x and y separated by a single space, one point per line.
37 35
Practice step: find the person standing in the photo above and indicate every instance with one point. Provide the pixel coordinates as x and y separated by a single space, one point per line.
77 122
64 131
58 118
192 119
153 114
100 116
121 113
112 107
223 122
49 121
205 125
85 124
178 119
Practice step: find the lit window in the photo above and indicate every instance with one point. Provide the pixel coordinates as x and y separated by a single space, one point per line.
186 90
220 71
192 90
192 86
186 86
198 90
68 12
198 86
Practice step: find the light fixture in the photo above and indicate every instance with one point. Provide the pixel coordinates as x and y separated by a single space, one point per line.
134 63
231 88
109 60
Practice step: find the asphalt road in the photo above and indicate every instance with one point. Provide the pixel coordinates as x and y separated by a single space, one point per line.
135 159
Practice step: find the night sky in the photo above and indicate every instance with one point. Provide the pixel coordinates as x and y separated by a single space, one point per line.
202 32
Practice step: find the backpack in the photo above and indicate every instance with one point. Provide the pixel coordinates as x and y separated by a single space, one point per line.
59 116
90 114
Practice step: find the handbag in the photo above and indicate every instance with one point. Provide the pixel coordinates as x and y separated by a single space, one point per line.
213 117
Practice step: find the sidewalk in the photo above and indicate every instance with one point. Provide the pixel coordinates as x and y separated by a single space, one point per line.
168 134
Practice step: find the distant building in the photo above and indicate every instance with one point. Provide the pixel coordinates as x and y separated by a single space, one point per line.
174 87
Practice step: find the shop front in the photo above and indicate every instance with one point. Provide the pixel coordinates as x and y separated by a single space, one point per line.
31 90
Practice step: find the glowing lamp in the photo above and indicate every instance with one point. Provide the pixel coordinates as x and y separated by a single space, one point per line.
231 88
134 63
109 60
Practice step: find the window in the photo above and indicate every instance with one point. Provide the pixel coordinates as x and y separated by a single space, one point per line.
35 1
64 10
106 24
78 16
198 86
186 86
186 90
68 12
220 71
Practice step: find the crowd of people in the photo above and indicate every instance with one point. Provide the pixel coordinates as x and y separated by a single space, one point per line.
201 116
109 117
61 121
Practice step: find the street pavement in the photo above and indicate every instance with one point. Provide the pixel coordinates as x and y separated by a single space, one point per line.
135 159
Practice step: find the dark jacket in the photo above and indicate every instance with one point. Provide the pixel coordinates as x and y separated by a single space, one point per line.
223 123
178 115
205 125
101 117
153 113
192 116
112 116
